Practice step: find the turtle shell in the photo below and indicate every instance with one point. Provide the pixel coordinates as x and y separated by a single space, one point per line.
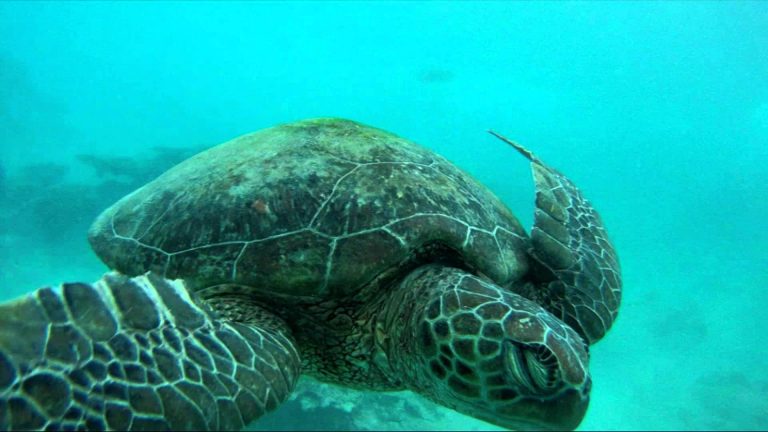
319 208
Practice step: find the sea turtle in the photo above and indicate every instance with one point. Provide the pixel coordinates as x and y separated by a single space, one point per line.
324 247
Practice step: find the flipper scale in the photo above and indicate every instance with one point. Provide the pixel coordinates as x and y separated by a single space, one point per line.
126 354
577 269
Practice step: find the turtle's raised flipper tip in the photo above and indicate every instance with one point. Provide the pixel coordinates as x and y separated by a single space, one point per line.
523 151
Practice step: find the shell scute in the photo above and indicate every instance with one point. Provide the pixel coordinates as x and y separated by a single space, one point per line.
315 208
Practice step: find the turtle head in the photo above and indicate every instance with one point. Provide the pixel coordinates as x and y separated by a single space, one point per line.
491 354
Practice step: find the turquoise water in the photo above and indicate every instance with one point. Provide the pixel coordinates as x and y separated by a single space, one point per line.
657 110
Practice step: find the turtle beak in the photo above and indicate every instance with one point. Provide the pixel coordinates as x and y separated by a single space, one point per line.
528 388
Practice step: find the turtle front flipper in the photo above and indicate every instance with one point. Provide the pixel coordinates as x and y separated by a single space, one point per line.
136 354
576 270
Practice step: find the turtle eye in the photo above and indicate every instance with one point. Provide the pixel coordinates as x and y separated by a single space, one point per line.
532 367
542 366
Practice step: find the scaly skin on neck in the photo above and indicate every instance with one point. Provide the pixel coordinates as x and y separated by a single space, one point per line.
240 309
484 351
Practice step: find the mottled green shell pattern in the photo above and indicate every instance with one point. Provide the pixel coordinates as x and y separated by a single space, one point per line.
315 208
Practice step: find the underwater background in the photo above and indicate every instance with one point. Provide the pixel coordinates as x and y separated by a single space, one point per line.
657 110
